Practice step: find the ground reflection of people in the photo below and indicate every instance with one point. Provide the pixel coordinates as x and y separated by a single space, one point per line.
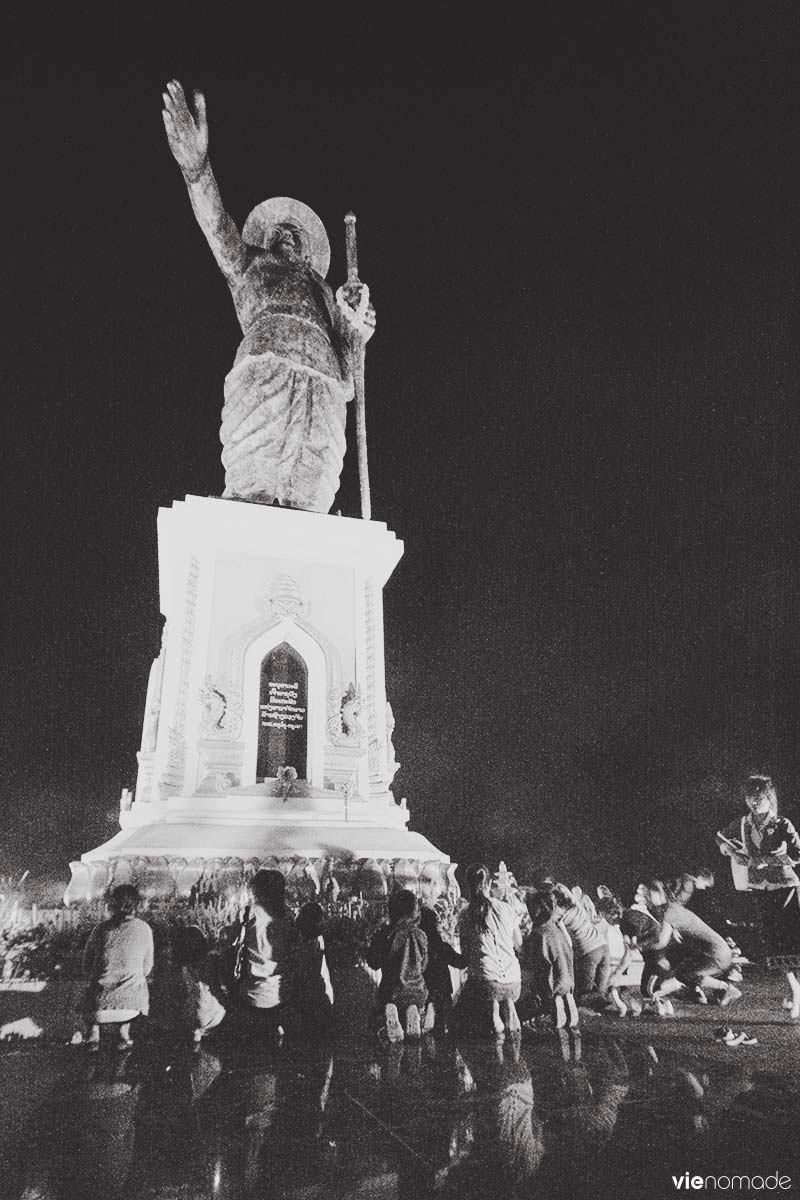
81 1143
508 1140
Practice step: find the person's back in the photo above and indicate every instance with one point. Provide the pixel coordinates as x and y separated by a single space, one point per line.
312 988
693 930
490 946
117 960
400 951
120 957
267 950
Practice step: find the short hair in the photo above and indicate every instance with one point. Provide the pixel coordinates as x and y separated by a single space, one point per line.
761 785
189 945
402 903
269 889
610 908
124 900
540 906
563 896
310 920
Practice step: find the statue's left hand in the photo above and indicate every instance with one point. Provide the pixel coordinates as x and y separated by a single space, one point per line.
353 302
187 134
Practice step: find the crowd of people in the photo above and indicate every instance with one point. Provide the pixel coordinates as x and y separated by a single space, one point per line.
538 955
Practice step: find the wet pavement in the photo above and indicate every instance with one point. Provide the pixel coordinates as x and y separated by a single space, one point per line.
615 1111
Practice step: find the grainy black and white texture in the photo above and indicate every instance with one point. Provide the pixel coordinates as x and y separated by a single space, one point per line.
581 239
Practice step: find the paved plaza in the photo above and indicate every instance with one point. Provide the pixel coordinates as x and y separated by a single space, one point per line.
616 1111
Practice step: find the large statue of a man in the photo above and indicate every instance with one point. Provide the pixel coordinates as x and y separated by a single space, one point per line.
283 421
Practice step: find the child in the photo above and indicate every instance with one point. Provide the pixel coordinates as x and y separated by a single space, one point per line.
490 937
620 952
202 1010
399 950
312 980
548 954
118 958
588 942
441 957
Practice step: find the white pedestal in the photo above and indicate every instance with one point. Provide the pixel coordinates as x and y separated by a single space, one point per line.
238 580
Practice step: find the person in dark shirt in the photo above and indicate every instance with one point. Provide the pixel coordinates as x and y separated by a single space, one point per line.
399 950
441 957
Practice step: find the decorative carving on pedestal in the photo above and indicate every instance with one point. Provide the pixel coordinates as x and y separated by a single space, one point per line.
214 880
285 598
144 779
343 726
235 646
176 756
372 650
222 711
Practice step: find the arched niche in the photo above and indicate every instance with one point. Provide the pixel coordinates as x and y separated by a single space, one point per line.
286 632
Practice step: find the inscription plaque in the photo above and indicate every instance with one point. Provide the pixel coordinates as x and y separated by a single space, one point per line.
282 713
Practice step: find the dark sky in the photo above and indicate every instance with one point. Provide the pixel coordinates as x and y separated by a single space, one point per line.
582 401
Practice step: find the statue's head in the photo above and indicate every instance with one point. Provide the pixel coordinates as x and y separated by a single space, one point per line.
289 241
289 228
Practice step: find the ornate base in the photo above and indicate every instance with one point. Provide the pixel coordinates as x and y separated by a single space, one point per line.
222 877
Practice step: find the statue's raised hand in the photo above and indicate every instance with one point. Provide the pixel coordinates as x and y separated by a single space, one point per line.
187 134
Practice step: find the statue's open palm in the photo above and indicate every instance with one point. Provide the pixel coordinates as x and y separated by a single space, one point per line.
187 135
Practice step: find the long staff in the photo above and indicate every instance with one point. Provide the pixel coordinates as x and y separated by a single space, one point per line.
359 350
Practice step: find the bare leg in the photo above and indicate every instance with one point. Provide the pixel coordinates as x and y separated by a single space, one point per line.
794 984
394 1030
512 1022
729 992
497 1020
92 1034
413 1029
667 988
617 1001
125 1035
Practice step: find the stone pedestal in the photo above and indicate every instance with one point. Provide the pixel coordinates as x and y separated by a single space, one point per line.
267 733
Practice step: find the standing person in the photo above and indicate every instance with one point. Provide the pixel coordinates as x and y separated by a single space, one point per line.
117 960
705 955
490 937
268 934
768 847
399 950
592 962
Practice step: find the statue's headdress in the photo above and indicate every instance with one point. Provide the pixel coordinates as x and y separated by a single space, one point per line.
281 210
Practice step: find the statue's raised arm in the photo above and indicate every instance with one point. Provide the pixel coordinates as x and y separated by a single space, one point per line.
187 136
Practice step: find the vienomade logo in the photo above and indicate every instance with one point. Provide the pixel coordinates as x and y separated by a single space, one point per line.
732 1183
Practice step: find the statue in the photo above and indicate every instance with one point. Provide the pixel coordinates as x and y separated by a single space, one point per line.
351 711
283 421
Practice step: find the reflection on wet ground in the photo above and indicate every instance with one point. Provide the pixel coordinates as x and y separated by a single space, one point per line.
547 1115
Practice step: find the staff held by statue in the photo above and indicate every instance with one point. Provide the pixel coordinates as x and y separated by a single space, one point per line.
358 356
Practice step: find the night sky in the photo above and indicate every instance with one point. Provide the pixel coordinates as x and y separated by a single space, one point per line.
582 403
